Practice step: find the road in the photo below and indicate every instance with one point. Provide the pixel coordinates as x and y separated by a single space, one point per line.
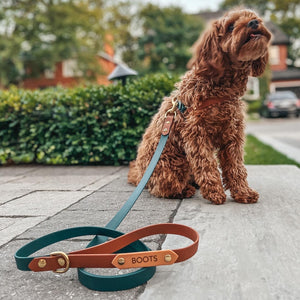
281 134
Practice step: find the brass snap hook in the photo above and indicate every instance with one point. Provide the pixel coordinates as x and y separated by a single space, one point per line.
173 109
64 260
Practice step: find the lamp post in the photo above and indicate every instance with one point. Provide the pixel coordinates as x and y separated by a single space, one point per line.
121 72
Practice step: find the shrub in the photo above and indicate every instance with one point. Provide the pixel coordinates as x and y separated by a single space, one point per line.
253 106
91 125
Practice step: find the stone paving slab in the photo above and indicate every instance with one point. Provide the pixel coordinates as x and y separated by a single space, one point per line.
69 218
13 171
11 195
12 227
105 180
58 178
102 200
30 210
245 251
119 185
41 203
31 194
50 183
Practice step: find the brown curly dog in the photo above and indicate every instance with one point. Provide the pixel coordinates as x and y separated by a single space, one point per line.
205 137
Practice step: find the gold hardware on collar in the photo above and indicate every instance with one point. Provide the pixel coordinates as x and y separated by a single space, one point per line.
42 263
64 260
121 261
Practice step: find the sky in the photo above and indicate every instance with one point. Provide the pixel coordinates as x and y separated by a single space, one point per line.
189 6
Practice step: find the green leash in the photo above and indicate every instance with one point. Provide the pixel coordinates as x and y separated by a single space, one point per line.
136 278
100 282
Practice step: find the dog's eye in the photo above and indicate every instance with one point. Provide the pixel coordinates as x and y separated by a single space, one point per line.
230 28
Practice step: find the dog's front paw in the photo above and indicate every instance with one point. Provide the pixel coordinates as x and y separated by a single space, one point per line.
215 197
247 197
218 199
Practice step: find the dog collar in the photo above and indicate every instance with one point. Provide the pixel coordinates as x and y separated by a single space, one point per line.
208 102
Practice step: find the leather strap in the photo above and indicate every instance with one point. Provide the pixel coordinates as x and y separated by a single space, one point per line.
105 256
211 101
100 253
204 104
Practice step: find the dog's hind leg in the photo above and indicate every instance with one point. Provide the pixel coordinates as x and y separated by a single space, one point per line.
133 174
171 178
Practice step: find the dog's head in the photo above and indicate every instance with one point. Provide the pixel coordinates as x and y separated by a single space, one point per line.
237 39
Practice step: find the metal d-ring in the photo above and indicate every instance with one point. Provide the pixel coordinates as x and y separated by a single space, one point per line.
62 261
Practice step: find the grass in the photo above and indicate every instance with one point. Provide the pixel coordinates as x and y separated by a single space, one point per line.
257 153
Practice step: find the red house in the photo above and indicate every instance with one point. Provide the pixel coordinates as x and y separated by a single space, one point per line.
67 74
283 77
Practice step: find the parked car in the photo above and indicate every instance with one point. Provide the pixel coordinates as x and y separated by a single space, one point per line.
278 104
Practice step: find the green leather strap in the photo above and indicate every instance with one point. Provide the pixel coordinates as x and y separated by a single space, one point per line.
93 281
135 278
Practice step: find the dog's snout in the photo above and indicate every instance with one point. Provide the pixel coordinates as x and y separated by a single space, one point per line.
253 24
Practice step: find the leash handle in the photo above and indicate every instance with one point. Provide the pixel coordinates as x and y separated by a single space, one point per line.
106 255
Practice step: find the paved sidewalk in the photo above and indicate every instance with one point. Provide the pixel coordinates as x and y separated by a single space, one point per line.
245 251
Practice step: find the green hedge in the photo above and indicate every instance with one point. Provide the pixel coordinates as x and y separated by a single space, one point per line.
254 106
91 125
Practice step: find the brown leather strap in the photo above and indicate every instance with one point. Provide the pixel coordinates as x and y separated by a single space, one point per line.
211 101
167 124
104 256
204 104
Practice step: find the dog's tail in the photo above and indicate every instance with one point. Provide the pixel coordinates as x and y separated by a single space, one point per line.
133 177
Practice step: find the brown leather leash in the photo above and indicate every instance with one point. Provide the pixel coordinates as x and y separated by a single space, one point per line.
104 256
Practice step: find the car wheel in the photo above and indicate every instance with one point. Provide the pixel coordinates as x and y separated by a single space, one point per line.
265 113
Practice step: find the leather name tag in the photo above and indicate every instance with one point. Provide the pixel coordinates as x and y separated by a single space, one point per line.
144 259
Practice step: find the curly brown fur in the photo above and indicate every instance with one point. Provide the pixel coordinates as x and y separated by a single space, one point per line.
202 139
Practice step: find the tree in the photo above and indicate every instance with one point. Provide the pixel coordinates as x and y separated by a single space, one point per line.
284 13
122 20
166 37
40 33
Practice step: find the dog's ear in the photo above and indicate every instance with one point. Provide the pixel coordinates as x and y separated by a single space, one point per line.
259 65
207 56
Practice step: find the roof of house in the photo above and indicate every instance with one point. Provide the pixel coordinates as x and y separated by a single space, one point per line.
108 57
288 74
279 37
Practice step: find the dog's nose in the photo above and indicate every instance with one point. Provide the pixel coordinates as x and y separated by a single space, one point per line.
253 24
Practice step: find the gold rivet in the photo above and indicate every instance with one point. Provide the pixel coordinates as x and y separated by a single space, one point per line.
168 122
42 263
165 129
61 262
168 258
121 261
